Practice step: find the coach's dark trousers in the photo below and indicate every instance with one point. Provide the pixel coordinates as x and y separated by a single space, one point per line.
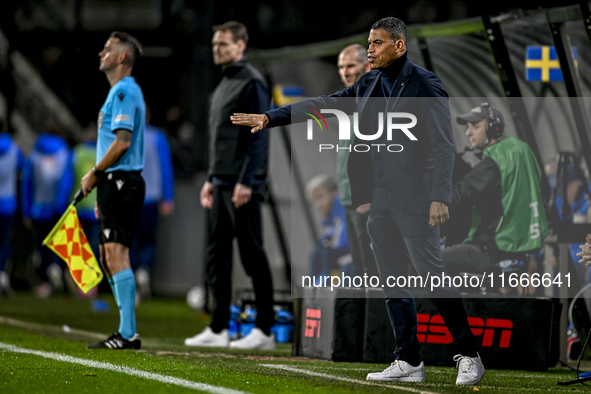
398 241
244 223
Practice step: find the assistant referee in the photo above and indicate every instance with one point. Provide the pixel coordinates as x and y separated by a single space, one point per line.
120 187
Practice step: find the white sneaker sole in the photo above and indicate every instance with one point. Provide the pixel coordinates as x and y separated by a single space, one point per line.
262 347
419 379
205 344
471 382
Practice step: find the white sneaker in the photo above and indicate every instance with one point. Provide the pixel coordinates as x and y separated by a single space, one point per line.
208 338
400 371
256 339
5 287
470 370
196 298
56 276
142 282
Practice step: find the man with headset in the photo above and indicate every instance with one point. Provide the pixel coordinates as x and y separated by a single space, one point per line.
508 217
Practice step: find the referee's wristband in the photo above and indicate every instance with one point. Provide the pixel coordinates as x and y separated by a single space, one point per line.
98 173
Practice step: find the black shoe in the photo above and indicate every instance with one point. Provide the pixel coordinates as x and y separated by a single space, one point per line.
116 341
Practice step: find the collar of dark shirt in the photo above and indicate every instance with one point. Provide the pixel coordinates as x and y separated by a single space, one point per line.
391 72
232 69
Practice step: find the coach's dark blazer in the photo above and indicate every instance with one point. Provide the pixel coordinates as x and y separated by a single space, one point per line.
422 172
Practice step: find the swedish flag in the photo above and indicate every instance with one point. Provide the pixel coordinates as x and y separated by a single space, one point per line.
541 64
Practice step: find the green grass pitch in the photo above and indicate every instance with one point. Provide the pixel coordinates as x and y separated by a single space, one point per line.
38 356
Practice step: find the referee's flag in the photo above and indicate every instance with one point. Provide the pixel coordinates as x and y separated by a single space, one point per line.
68 241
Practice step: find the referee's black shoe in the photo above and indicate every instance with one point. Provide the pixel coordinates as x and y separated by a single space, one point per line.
116 341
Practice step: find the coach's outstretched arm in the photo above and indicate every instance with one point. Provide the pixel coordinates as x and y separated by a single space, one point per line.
256 121
289 114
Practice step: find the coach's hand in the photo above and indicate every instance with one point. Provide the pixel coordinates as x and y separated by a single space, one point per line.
241 195
363 208
256 121
207 195
438 213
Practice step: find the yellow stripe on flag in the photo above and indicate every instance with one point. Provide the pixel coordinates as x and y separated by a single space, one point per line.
545 64
68 241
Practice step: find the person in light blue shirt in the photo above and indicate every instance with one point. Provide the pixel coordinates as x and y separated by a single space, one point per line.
117 176
11 165
47 180
331 256
124 109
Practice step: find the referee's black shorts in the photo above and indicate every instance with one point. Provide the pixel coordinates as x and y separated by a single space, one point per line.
120 197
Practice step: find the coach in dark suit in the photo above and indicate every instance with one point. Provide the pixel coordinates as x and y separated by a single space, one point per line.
405 185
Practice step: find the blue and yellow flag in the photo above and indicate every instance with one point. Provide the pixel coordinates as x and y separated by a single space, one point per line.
542 65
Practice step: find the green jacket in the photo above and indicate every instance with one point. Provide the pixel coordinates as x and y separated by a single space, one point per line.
523 224
84 160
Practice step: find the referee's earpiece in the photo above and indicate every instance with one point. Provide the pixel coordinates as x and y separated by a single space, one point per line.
494 124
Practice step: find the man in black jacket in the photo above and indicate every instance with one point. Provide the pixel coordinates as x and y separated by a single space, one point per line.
235 187
406 189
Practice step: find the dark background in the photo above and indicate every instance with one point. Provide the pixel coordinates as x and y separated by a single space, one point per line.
177 73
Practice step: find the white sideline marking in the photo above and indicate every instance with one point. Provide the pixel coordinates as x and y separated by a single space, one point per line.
46 327
288 368
369 369
129 371
344 379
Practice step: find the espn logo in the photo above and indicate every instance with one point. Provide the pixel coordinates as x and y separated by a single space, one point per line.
437 332
312 323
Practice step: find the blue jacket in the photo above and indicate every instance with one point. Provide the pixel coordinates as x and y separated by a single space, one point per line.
11 164
48 177
334 228
333 245
579 207
158 172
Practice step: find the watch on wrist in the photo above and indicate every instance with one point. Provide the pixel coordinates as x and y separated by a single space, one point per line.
98 173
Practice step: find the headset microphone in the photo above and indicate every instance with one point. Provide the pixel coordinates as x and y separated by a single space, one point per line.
494 124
